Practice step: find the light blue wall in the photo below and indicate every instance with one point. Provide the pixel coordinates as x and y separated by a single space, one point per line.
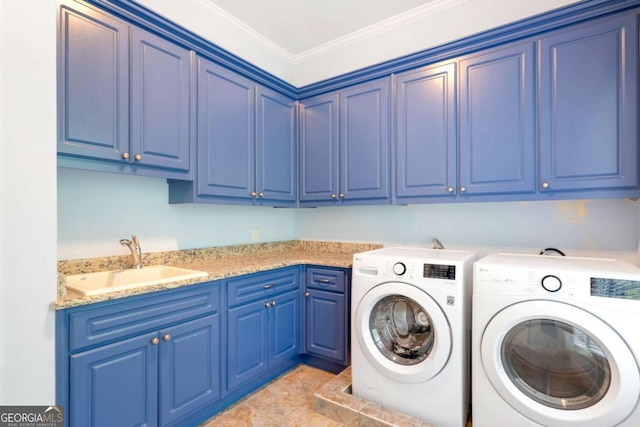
96 210
593 225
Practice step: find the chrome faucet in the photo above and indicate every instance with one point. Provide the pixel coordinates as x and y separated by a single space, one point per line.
136 252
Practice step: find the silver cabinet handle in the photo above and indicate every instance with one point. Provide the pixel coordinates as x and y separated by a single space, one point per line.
463 189
323 280
268 286
545 185
342 195
125 156
268 304
273 303
333 196
450 189
252 194
155 340
261 194
138 157
167 337
306 294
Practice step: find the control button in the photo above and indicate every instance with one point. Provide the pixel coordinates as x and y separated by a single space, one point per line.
399 268
551 283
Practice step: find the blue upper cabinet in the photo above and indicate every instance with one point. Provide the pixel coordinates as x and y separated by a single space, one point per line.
124 96
365 143
588 111
93 84
319 156
276 172
246 143
345 146
159 102
226 148
497 121
426 144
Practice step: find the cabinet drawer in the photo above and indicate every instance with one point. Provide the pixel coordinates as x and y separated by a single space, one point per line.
326 279
252 287
97 324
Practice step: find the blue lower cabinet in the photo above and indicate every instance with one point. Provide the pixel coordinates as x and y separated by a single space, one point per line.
248 331
189 367
327 314
263 325
115 385
149 360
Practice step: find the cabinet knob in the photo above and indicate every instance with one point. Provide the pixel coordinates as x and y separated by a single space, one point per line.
545 185
138 157
450 189
155 340
167 337
306 294
342 195
463 189
125 156
268 304
273 303
333 196
253 194
261 194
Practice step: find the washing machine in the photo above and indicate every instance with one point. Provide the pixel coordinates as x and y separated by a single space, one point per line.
556 342
410 331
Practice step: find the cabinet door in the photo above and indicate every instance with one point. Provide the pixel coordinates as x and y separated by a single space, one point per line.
226 145
588 106
159 102
319 148
115 385
497 121
325 325
189 367
426 154
276 176
93 86
247 346
284 327
365 142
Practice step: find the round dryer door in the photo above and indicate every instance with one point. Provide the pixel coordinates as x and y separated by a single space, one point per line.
403 332
559 365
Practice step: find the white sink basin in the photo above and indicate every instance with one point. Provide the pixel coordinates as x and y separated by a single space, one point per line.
117 280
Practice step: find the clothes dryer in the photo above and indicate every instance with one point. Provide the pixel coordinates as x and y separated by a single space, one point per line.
410 325
555 342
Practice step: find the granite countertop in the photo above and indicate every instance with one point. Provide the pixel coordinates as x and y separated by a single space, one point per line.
218 262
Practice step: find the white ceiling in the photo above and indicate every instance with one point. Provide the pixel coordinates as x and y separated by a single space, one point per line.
297 26
307 41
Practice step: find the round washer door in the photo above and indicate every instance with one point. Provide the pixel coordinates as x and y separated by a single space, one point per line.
559 365
403 332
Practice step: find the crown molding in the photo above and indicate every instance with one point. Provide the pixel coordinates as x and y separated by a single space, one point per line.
390 24
248 31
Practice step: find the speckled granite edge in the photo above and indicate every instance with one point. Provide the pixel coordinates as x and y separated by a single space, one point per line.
218 262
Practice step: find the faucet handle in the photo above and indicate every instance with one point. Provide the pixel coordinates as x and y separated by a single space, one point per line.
125 242
135 240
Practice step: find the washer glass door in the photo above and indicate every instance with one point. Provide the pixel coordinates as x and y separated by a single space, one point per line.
560 365
402 329
556 364
403 332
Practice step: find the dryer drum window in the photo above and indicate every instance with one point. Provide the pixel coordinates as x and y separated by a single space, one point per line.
402 330
556 364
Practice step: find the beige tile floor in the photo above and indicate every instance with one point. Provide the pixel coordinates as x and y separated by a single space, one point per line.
286 401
